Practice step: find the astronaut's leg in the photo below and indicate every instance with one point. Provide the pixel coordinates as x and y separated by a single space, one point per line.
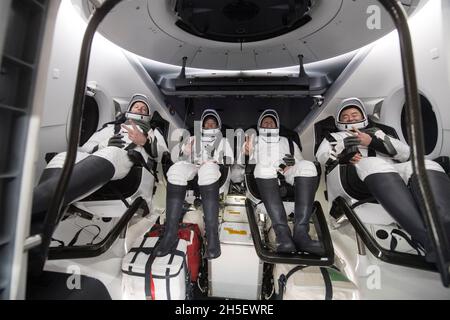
55 165
405 169
178 176
388 187
88 174
46 187
306 181
269 190
440 188
118 158
208 181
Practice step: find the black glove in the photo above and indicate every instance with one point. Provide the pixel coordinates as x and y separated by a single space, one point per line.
351 141
116 141
289 160
351 149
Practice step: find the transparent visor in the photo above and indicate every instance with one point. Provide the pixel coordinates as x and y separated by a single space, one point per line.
269 132
210 135
136 116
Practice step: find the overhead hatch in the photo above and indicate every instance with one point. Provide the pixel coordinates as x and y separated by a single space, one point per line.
241 20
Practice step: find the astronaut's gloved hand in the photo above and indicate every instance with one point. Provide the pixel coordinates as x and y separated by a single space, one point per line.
116 141
351 141
289 160
350 151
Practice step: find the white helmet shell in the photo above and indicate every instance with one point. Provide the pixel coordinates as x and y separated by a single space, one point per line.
135 116
268 134
210 135
356 103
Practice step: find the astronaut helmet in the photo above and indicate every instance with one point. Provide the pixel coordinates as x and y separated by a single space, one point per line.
209 135
137 117
351 103
269 135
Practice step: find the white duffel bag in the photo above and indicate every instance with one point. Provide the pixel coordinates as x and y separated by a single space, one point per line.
154 278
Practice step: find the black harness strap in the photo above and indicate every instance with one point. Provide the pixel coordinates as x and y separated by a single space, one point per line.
330 137
371 152
168 277
291 146
282 281
117 126
77 235
133 260
148 271
61 243
410 241
118 194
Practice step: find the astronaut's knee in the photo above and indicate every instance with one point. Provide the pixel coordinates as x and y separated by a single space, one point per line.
372 165
305 168
57 161
177 175
208 174
113 151
432 165
265 172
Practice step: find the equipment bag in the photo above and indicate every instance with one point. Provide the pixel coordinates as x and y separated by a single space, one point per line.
146 277
191 233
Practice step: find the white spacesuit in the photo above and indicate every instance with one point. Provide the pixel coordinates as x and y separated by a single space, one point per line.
270 149
200 156
275 155
384 167
102 158
384 154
